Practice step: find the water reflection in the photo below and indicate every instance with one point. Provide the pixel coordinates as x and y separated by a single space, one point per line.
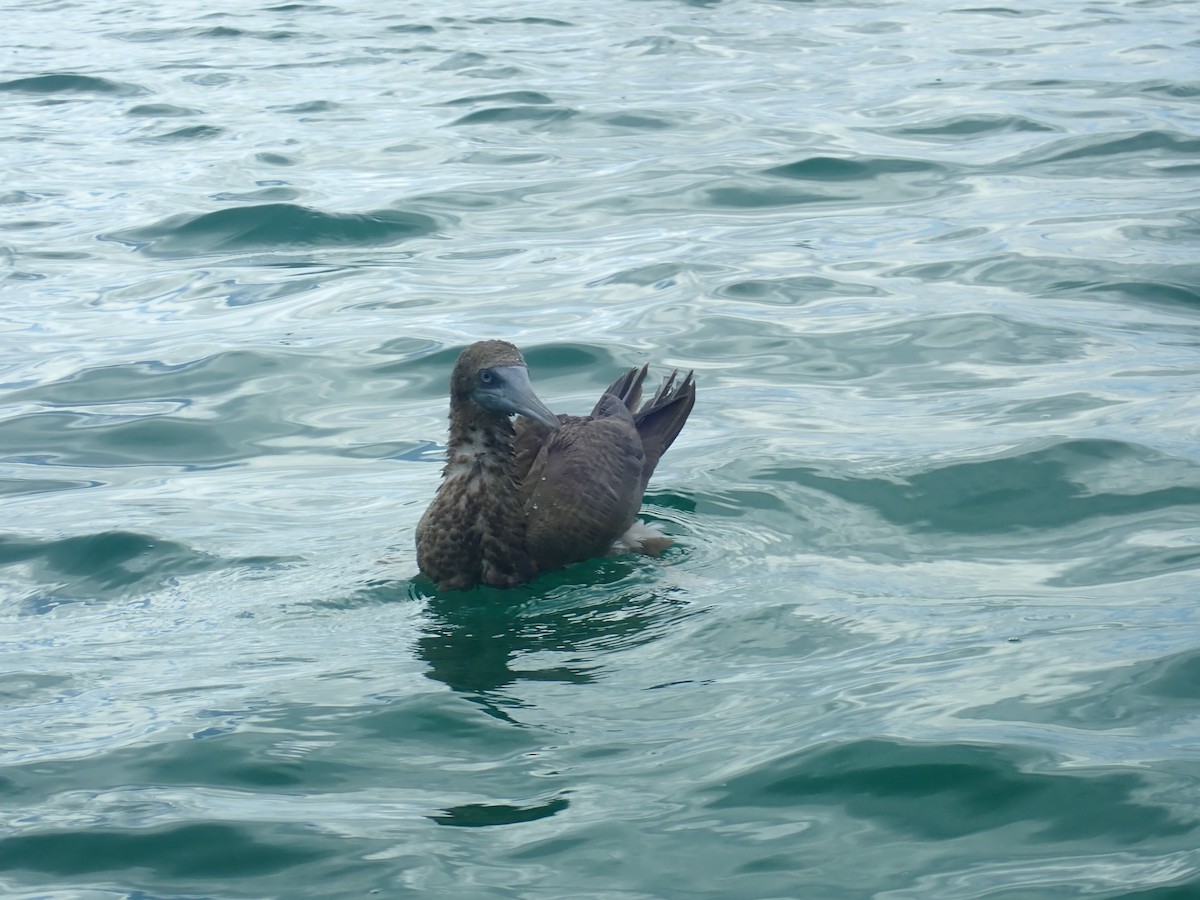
560 628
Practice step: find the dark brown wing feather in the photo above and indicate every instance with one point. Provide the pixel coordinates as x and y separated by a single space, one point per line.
531 435
583 484
584 489
627 389
528 444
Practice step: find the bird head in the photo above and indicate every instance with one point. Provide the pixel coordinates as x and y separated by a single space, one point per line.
493 375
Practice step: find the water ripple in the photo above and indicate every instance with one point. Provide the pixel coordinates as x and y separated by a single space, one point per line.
929 625
69 84
273 226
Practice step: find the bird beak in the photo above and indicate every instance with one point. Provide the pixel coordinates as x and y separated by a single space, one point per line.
515 395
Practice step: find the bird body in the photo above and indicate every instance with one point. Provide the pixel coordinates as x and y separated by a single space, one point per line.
552 490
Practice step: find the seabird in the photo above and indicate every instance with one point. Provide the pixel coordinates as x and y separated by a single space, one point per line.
554 489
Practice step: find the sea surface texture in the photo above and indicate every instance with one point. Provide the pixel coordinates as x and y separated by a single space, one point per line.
931 624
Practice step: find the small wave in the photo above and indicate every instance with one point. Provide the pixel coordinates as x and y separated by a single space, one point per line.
1124 696
941 791
161 111
516 115
829 168
831 180
312 106
1090 278
1051 487
959 127
67 83
1129 154
527 98
520 20
187 851
481 815
794 290
273 226
191 133
104 564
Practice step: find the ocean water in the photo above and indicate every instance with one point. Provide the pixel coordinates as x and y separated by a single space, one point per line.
930 628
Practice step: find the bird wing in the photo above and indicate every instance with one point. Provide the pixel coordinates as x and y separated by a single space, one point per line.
583 484
584 488
531 435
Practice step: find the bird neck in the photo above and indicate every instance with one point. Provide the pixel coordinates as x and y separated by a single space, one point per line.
480 445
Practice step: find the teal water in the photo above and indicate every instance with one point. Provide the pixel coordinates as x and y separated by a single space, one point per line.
930 628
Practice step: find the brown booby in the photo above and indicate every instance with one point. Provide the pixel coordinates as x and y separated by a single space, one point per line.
555 489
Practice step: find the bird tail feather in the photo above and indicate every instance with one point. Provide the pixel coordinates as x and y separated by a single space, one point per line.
627 389
661 419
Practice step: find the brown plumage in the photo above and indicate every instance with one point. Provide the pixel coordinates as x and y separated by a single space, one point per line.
555 489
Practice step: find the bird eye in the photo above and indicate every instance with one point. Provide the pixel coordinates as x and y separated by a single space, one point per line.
485 377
